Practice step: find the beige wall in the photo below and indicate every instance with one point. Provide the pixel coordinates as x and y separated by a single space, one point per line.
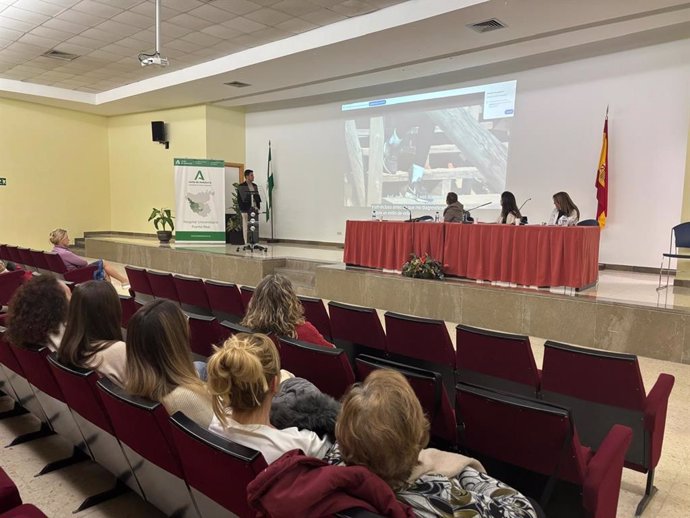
684 266
225 134
56 165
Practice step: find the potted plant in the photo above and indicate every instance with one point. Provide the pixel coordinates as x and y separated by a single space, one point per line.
233 222
423 267
162 218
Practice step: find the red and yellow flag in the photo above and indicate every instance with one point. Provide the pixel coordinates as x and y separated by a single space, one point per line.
602 181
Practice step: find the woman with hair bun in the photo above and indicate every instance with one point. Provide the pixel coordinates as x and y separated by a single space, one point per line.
243 378
159 361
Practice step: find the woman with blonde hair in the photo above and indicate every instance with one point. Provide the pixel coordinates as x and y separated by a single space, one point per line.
93 334
565 213
243 378
274 309
382 427
60 241
159 362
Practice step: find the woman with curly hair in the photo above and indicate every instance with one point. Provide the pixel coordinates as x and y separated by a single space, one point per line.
382 427
275 310
37 313
93 336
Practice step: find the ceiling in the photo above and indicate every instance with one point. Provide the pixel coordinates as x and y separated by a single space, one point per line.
296 51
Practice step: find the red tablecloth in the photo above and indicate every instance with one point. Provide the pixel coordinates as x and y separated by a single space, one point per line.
529 255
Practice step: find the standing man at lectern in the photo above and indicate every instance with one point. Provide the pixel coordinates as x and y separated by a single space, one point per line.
248 199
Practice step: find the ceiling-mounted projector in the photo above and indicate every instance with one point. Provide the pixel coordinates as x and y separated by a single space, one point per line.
153 59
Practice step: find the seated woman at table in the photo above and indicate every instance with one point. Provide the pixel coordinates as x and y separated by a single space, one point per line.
60 241
454 212
565 213
510 214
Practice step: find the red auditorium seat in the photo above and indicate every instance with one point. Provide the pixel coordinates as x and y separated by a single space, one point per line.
204 333
9 494
79 389
129 307
139 284
602 389
497 360
541 438
199 449
226 301
39 260
13 254
25 257
143 429
9 282
246 292
357 329
192 295
430 390
78 275
327 368
162 285
315 312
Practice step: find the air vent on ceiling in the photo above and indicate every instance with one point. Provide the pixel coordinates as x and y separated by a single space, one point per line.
57 54
487 25
237 84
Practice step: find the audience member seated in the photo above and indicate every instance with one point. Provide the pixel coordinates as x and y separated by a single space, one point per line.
243 377
93 336
382 426
565 213
37 313
159 362
275 310
60 241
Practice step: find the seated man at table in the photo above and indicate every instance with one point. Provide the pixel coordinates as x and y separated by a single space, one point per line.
454 212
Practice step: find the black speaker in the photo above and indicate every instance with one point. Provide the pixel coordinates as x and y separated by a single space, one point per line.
158 131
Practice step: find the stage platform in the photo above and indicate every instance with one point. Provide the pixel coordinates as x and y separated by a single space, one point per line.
624 312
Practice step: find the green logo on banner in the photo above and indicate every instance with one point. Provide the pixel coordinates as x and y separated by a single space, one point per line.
199 176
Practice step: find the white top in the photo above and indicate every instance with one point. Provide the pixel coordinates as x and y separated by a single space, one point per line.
570 221
510 219
271 442
54 339
111 362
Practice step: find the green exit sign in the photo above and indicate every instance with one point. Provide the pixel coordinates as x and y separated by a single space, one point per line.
3 181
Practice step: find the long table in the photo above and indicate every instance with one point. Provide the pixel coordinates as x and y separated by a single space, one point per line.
531 255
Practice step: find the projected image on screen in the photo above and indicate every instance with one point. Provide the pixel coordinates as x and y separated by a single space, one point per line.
414 149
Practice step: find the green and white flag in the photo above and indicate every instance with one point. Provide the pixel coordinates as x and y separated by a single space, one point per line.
200 207
270 184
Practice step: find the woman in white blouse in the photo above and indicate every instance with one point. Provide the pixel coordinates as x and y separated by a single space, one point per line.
510 214
565 213
243 377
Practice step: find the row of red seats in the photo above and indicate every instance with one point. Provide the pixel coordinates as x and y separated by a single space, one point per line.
11 505
45 261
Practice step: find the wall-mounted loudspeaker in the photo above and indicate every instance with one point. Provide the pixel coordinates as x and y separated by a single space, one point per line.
158 131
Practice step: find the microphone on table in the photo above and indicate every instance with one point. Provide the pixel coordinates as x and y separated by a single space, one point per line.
523 219
408 210
468 217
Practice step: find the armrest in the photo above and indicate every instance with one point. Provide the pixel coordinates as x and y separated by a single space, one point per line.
603 478
80 274
655 415
9 495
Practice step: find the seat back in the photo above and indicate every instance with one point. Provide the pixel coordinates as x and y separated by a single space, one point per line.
327 368
139 283
141 424
4 254
225 299
356 329
497 360
55 263
7 357
681 234
424 339
13 254
9 283
34 363
162 285
128 308
523 432
26 257
429 388
200 449
204 333
78 387
315 312
246 292
192 295
39 259
602 389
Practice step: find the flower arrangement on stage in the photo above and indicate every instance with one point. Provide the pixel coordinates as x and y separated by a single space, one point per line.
423 267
